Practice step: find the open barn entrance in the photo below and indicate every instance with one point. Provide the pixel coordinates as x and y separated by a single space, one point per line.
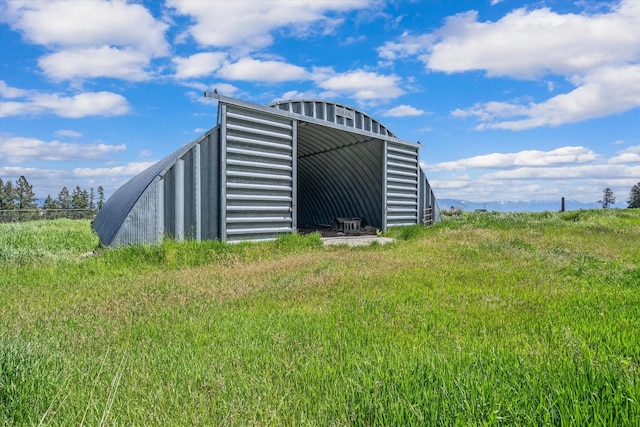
339 181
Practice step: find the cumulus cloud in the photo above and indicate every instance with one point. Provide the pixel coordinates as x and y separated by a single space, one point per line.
403 111
105 61
81 105
31 102
575 172
248 25
365 86
270 71
24 149
535 158
128 170
603 92
598 53
531 43
51 181
628 155
8 92
198 65
90 38
407 45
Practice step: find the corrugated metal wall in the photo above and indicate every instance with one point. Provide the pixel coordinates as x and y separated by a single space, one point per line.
258 153
141 225
401 184
189 198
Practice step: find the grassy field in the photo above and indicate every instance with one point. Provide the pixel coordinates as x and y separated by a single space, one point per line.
486 319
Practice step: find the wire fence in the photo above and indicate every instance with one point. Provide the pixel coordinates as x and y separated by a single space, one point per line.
22 215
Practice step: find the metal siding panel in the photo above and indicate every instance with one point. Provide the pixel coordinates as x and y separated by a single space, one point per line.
140 226
160 210
258 165
294 173
197 191
169 203
402 204
189 195
210 190
222 216
178 201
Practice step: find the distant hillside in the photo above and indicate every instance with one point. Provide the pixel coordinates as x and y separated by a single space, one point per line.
511 206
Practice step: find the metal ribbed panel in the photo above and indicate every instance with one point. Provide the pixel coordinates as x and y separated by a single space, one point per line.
402 184
258 169
336 113
141 223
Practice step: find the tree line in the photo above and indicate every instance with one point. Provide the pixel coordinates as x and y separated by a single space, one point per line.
20 196
608 198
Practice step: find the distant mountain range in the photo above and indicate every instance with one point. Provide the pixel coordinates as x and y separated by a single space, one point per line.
511 206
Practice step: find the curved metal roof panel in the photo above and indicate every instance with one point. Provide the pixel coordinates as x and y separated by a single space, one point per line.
340 114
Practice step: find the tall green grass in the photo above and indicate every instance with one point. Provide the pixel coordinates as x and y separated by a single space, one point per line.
490 319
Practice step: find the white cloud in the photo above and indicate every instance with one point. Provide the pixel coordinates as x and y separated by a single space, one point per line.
248 25
68 133
603 92
90 38
628 155
199 64
51 181
8 92
57 23
84 104
598 53
23 149
406 46
105 61
129 170
403 111
294 94
249 69
601 171
365 86
531 43
561 156
574 172
81 105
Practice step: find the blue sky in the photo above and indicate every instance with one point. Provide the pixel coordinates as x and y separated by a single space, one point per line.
512 100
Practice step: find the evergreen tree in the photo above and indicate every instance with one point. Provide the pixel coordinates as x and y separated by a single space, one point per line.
50 203
2 201
8 196
100 197
64 198
634 196
79 198
92 199
608 198
25 196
